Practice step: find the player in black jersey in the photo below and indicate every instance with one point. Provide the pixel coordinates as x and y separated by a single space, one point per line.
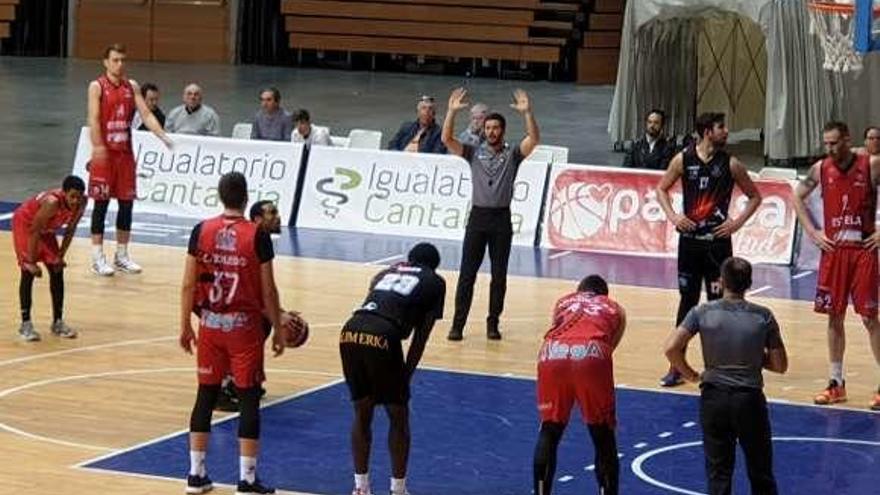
708 174
405 299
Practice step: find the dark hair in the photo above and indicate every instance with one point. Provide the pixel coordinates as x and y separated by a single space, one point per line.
871 128
115 47
595 284
257 209
275 93
73 182
736 275
148 87
301 115
706 122
496 116
424 253
836 125
233 190
659 112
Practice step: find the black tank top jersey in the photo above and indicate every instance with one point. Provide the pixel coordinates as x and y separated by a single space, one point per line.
404 295
707 189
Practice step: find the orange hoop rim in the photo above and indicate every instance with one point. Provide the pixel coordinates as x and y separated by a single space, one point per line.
829 8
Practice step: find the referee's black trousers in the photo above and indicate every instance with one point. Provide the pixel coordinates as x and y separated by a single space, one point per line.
728 415
487 227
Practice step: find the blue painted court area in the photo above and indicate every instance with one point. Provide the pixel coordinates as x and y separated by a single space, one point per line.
474 435
769 281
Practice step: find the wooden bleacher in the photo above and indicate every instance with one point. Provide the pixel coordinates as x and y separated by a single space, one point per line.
518 31
598 54
7 15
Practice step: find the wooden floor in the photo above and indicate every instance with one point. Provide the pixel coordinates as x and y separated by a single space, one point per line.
125 381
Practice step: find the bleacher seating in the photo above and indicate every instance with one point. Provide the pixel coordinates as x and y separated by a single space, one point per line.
515 30
600 50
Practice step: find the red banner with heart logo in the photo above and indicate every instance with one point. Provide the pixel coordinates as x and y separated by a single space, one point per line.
616 210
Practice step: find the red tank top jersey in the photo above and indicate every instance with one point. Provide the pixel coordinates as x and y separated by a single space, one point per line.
849 200
28 210
227 256
585 316
117 110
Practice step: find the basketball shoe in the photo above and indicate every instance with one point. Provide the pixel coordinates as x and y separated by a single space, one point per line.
125 264
361 491
671 379
60 329
27 332
198 484
101 267
832 394
245 488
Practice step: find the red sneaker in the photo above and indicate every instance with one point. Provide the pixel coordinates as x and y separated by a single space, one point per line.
832 394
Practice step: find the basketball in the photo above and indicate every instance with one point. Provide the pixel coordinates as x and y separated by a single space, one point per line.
296 329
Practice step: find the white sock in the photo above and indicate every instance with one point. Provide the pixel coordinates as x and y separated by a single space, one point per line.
197 463
398 486
122 250
247 468
362 481
837 372
97 251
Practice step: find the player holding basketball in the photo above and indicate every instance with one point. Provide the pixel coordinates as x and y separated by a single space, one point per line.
849 241
236 256
575 365
708 174
113 99
34 224
405 299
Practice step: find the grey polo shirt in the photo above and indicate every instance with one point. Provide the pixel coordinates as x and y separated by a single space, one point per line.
203 120
276 126
493 174
734 335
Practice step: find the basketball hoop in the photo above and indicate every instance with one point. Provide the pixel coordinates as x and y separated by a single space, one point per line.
834 22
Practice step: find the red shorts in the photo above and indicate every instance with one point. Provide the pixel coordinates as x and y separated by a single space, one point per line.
48 251
570 371
847 272
113 177
238 352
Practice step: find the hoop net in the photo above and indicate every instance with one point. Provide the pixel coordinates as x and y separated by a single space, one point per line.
833 21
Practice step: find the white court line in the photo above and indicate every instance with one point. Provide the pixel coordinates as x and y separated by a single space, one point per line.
5 216
111 345
801 275
558 255
81 465
385 260
759 290
51 381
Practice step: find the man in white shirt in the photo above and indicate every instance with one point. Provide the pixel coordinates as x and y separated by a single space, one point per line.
304 132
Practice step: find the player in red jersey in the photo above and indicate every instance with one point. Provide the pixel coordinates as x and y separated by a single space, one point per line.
113 99
575 365
34 224
849 241
235 255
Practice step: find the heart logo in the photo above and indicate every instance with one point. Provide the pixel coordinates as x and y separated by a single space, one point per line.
579 210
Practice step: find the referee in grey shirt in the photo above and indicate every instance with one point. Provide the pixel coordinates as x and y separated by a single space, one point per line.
494 164
738 338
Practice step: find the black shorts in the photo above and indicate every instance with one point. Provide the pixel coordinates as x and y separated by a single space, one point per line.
372 362
699 262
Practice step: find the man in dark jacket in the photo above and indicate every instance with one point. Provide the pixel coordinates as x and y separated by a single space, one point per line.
421 136
653 150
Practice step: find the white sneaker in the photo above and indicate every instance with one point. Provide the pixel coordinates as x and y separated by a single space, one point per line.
27 332
126 265
361 491
61 329
101 267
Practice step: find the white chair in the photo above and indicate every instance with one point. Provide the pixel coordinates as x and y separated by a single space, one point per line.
242 130
778 173
365 139
559 153
339 141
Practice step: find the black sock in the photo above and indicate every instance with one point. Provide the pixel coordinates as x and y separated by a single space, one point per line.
25 294
607 464
545 457
56 286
